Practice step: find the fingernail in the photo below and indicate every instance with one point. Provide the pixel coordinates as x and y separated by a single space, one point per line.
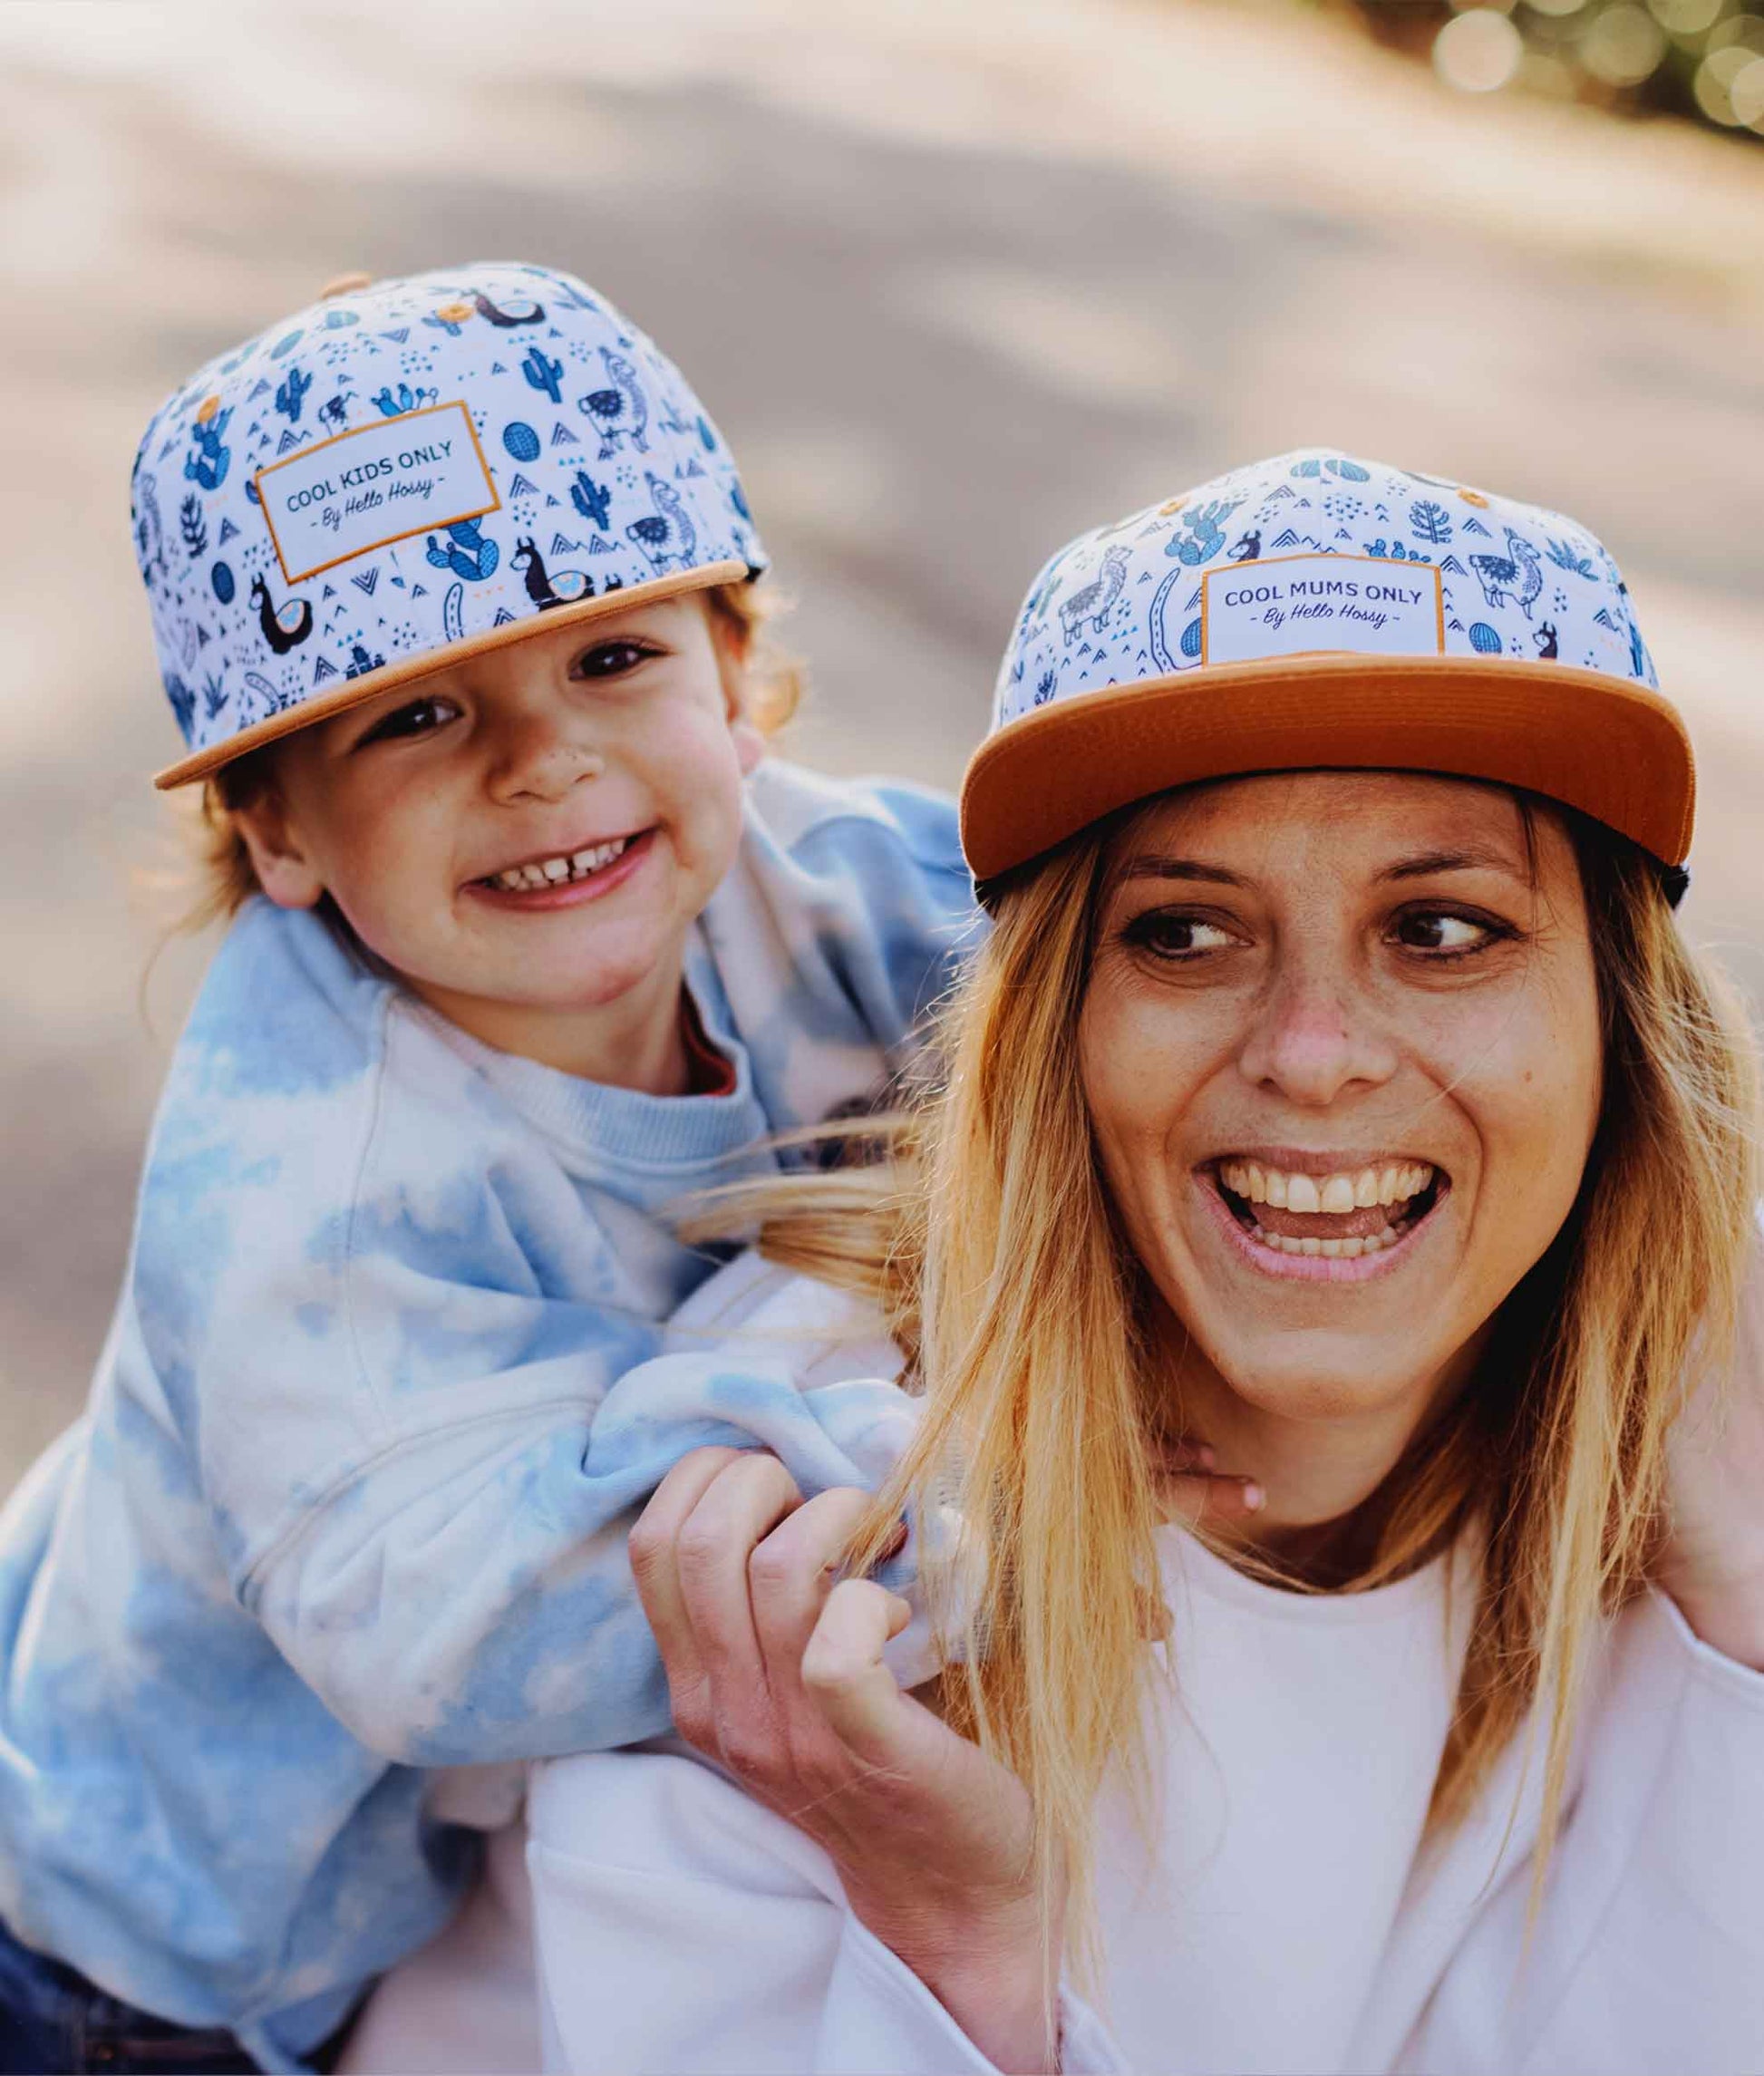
1205 1456
1255 1497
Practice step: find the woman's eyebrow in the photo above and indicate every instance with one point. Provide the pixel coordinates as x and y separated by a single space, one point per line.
1155 865
1426 863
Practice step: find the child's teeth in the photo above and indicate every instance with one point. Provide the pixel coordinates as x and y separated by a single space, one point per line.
555 872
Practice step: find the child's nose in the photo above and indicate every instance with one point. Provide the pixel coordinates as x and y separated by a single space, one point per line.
542 763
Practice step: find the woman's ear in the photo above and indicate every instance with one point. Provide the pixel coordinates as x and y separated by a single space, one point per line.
284 871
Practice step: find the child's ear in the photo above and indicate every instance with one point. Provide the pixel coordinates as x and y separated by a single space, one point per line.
283 870
750 743
732 667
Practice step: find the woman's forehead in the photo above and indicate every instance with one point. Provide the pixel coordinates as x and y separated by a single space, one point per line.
1349 814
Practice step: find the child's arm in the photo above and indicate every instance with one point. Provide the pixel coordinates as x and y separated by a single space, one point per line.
456 1586
849 917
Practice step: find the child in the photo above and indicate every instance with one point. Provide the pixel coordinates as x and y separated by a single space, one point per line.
451 583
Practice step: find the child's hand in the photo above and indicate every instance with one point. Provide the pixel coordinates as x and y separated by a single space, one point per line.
1192 1489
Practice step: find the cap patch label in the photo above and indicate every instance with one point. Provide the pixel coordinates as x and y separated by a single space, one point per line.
1292 604
341 498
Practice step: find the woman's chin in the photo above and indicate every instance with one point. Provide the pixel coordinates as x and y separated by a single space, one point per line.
1322 1376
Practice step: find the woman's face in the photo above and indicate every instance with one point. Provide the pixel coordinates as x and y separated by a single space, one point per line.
1341 1047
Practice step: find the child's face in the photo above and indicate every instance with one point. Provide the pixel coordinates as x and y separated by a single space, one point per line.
411 812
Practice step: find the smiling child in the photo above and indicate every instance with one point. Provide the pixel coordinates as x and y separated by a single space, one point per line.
451 582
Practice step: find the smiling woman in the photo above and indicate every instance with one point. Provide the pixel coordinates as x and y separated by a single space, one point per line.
1341 1173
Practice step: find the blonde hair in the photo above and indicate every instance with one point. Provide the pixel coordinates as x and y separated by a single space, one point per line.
993 1247
220 877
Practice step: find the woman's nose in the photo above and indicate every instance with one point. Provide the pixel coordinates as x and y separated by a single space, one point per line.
1313 1039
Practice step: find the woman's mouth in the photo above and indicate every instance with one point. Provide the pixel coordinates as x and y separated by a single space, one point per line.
1293 1221
568 877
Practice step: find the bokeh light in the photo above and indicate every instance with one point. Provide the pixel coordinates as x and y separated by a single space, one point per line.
1623 45
1729 87
1478 51
1679 57
1686 18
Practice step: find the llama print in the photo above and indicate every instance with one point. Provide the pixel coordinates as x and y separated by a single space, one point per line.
668 536
1518 575
504 319
620 412
284 626
555 587
1095 600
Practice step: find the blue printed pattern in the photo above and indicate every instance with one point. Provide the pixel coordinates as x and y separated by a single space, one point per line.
607 471
344 1508
1123 604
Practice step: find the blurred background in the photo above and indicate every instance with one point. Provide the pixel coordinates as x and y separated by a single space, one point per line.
958 280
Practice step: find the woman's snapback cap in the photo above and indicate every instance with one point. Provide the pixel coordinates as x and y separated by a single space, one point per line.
405 474
1314 612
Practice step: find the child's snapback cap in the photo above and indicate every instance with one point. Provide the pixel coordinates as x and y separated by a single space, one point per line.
1312 612
404 474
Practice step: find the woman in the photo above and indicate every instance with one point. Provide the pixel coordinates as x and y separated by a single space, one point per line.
1336 1095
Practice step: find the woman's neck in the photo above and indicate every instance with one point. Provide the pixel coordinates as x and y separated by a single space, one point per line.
1328 1478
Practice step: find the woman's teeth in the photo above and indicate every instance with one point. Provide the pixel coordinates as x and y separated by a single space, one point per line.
1350 1249
559 871
1330 1193
1339 1217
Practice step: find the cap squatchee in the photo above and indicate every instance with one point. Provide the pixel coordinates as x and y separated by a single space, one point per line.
407 473
1315 611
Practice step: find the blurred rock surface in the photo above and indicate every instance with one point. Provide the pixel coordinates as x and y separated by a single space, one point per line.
957 282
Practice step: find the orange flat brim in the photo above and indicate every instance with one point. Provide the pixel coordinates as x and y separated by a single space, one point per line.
407 670
1617 751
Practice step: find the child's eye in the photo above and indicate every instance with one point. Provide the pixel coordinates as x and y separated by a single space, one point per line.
1443 933
1169 935
417 717
612 658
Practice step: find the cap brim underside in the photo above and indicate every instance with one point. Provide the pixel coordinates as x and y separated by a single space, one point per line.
203 763
1618 752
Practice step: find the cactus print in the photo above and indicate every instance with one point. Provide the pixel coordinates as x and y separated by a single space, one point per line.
662 496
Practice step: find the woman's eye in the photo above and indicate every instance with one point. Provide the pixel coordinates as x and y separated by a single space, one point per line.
1169 937
1439 930
611 659
418 717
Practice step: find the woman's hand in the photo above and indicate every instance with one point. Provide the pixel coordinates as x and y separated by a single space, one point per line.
776 1673
1713 1564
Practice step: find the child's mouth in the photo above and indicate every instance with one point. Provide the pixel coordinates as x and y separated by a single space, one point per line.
569 876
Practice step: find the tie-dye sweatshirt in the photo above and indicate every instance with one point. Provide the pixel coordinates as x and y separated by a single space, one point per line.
341 1510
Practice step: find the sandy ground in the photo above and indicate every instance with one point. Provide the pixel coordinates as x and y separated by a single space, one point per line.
957 282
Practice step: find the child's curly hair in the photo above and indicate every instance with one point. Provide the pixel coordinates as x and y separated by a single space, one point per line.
221 878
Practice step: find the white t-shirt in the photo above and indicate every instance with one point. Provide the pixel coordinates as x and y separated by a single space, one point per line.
1285 1913
1286 1916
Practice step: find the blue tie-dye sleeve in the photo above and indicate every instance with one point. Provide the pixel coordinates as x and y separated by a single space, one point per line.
472 1598
381 1313
852 916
